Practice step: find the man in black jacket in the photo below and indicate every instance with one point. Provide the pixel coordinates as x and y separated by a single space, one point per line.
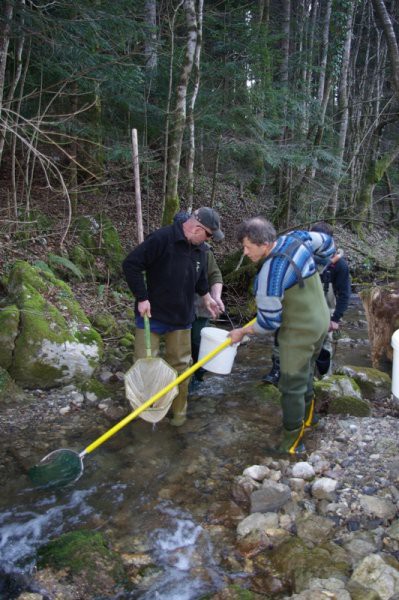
175 267
337 289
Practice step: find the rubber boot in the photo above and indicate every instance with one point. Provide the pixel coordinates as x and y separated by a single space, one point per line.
311 419
274 375
291 442
179 407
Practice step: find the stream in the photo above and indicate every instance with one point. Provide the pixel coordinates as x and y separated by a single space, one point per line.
155 489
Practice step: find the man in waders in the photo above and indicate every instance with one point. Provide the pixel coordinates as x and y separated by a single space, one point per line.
174 262
289 296
336 283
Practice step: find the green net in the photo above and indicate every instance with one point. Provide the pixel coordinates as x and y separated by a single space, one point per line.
57 469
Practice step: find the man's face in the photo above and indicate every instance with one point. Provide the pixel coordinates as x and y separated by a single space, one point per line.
200 234
254 251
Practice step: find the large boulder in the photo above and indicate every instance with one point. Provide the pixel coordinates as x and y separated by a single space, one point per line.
339 394
52 341
374 384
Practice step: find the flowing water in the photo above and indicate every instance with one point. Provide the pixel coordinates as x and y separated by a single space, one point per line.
157 489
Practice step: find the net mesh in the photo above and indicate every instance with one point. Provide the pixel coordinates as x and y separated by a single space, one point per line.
56 469
145 378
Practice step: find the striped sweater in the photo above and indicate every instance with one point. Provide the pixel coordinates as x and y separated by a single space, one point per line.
309 251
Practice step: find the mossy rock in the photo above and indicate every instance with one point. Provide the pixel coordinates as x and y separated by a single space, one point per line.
297 563
105 323
269 393
99 236
339 394
56 343
229 263
83 258
374 384
10 393
9 324
347 405
86 556
127 341
95 387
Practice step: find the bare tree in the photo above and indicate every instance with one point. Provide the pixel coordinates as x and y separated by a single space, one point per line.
179 116
190 118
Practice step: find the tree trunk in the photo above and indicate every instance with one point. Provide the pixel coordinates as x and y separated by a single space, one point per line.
191 122
5 29
343 110
179 117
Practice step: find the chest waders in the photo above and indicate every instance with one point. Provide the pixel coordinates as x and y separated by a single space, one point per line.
304 325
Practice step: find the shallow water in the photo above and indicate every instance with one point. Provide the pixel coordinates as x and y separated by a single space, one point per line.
159 489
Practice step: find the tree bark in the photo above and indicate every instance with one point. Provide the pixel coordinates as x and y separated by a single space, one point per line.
191 121
179 117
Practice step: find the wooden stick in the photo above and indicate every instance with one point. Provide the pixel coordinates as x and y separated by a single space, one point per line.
136 170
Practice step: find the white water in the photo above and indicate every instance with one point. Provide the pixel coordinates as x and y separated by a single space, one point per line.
23 530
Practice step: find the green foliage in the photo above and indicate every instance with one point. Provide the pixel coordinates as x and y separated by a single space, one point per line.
64 263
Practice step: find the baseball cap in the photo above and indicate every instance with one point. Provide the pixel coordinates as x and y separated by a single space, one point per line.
210 219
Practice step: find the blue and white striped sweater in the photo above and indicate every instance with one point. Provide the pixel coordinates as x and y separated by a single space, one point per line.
277 274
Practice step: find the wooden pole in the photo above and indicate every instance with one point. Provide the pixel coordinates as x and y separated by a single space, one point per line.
136 171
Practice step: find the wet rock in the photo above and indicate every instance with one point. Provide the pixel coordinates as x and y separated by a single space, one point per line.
303 470
301 564
243 487
257 522
313 528
374 384
378 507
374 573
257 472
324 488
270 497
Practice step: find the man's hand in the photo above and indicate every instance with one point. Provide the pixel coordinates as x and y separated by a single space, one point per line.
216 293
333 326
238 334
211 305
144 308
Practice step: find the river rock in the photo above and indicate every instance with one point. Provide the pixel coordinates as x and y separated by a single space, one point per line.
373 383
270 497
324 488
257 522
314 528
257 472
304 470
378 507
373 572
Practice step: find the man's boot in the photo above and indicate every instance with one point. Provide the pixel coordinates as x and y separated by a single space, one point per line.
311 419
291 442
274 375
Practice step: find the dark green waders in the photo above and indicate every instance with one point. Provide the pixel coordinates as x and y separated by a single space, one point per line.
306 319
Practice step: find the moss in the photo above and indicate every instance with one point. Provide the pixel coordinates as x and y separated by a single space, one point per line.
294 560
82 551
99 237
50 318
127 341
348 405
9 324
96 387
105 323
372 382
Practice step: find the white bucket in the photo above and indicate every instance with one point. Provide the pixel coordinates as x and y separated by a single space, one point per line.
221 363
395 364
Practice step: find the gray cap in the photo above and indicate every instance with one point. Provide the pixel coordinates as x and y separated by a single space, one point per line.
210 219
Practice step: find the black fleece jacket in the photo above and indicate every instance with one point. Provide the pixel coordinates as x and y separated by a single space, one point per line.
175 270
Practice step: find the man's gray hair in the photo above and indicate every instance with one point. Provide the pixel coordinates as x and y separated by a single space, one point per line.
257 230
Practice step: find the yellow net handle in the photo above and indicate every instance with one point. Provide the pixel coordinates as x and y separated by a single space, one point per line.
103 438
